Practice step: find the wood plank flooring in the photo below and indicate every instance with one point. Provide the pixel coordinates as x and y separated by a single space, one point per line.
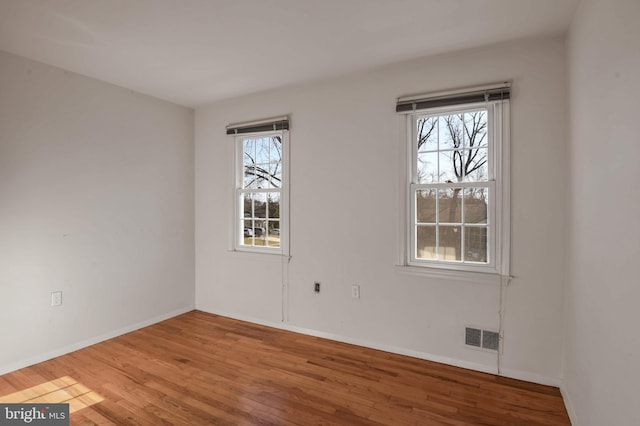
199 369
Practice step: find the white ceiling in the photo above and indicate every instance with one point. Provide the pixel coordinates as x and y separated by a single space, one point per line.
192 52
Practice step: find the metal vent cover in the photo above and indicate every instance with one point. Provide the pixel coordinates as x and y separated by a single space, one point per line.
490 340
485 339
472 337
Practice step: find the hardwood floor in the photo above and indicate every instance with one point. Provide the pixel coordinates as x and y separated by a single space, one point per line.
199 368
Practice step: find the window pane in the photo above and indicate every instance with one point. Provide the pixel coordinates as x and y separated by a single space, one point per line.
262 150
476 167
248 233
450 131
275 175
475 244
250 180
262 175
275 164
426 206
450 239
450 205
247 206
475 129
450 166
427 133
476 205
273 200
274 234
260 205
426 242
275 154
249 149
259 231
427 167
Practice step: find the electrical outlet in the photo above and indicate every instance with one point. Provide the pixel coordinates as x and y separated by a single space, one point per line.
56 298
316 286
355 291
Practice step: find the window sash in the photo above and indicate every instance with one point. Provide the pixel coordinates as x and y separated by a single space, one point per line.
413 119
241 219
489 225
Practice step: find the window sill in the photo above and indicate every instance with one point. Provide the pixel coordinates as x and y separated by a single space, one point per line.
449 274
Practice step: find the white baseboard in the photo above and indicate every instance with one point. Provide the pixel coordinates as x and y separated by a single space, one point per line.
573 417
513 374
7 368
530 377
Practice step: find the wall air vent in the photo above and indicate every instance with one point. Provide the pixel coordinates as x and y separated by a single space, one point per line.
473 337
490 340
484 339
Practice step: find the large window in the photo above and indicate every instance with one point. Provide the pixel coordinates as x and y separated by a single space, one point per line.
261 220
457 199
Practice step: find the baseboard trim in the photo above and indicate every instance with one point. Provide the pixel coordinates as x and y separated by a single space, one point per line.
512 374
573 417
8 368
530 377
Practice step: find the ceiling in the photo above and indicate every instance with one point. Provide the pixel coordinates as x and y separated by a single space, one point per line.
194 52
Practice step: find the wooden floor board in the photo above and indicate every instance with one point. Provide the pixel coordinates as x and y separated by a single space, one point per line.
199 369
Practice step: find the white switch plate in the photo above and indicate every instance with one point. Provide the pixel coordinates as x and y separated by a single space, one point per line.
56 298
355 291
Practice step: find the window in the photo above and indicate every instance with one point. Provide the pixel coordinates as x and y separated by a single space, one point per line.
261 183
458 207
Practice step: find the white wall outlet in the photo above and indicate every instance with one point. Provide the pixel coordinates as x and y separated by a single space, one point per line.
355 291
56 298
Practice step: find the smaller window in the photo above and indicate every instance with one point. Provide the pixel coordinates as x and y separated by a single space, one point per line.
261 197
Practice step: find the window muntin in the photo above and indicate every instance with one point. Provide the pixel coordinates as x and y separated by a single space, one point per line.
259 192
453 187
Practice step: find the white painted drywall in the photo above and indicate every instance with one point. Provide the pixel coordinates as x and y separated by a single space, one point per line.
96 200
601 369
345 195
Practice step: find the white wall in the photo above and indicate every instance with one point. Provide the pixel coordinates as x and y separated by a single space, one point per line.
601 369
96 200
345 195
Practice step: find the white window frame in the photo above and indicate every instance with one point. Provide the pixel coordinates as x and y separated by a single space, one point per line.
498 235
238 221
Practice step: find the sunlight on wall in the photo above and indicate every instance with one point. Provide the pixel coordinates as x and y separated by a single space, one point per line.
62 390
